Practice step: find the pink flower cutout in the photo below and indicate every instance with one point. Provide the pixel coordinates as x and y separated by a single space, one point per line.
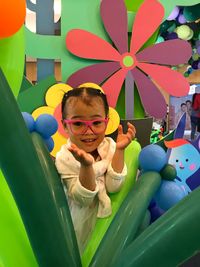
142 65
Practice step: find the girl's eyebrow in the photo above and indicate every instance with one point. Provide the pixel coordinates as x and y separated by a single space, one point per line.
77 117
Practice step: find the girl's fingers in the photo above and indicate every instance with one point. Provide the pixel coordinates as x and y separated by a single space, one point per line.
131 126
131 133
120 129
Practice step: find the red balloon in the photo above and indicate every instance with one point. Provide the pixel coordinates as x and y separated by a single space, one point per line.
12 16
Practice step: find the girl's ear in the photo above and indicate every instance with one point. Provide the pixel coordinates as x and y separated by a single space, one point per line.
64 126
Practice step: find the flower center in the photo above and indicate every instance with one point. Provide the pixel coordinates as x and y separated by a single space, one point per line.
128 61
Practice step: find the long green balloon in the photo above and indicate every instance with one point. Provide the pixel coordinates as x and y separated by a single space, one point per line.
12 59
169 241
170 5
167 4
131 159
127 221
12 232
36 187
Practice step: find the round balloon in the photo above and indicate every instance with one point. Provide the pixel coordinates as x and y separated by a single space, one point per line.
169 194
152 158
12 16
46 125
49 143
30 123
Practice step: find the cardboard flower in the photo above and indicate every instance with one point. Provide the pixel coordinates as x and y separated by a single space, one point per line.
53 99
142 65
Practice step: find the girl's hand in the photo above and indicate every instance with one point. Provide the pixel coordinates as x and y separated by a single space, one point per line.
83 157
123 140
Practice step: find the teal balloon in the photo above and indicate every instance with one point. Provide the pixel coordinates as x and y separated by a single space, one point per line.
170 5
127 221
192 13
170 240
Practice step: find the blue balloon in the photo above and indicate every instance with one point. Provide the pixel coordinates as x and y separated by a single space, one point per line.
30 123
169 194
46 125
155 212
152 158
49 143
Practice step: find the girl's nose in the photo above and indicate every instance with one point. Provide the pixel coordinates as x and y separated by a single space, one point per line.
89 130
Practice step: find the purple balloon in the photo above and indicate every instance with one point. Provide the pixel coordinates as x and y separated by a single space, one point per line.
197 44
199 65
171 36
174 13
181 19
195 64
198 49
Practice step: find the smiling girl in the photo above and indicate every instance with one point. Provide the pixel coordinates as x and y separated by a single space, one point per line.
90 164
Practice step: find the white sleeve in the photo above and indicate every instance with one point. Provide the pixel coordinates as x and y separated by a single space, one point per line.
114 180
68 168
79 193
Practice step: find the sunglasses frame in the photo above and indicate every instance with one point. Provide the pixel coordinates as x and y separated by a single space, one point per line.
88 124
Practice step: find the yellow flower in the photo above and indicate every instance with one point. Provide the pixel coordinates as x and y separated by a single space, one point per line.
53 100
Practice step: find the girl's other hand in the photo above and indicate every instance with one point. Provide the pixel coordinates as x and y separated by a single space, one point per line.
123 140
83 157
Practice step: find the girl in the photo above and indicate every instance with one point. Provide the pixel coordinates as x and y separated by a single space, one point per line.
90 164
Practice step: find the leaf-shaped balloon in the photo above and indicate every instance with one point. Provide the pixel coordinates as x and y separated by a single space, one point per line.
12 59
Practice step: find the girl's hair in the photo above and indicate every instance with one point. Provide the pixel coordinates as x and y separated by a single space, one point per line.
84 93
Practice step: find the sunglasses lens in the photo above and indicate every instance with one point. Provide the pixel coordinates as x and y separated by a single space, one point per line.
80 127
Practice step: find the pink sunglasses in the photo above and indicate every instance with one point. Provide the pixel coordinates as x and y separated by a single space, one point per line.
81 126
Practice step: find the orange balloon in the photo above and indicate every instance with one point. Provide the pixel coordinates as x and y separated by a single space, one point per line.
12 16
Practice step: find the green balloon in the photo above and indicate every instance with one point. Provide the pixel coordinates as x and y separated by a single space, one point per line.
127 221
15 249
12 58
192 13
170 240
170 5
36 186
168 172
131 159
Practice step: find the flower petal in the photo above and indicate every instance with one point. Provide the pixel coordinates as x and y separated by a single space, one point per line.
96 73
169 80
147 20
153 101
114 16
88 45
113 86
172 52
55 93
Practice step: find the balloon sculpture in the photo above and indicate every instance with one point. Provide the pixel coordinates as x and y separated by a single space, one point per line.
36 186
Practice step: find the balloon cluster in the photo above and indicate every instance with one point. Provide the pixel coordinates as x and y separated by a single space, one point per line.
183 23
46 125
154 158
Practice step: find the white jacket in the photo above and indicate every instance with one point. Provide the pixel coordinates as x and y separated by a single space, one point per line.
86 205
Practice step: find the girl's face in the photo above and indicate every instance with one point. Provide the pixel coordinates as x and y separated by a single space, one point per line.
78 110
